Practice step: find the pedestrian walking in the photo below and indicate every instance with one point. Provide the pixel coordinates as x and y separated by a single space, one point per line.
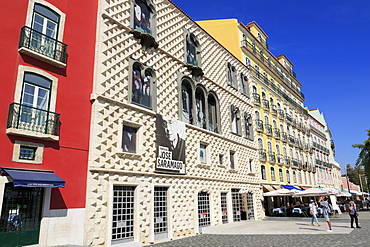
313 212
353 213
325 212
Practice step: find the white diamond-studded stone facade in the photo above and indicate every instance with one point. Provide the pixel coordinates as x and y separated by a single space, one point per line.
110 166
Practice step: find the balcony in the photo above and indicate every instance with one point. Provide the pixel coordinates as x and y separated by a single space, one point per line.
268 129
295 163
280 159
262 154
42 47
259 125
288 162
274 110
292 140
289 119
32 122
280 114
276 133
265 104
272 157
256 99
284 137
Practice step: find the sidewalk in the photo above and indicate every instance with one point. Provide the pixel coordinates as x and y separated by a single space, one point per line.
285 225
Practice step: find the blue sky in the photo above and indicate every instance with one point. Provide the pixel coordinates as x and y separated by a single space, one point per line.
327 41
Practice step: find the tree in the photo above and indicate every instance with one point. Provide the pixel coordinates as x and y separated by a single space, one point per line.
363 159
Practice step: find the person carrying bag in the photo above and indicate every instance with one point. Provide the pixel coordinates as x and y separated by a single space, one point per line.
353 213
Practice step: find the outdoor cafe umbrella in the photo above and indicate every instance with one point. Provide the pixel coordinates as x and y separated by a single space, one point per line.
316 192
280 192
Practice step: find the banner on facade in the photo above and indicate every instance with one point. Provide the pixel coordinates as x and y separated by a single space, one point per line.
170 145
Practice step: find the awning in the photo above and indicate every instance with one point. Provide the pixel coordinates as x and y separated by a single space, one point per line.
267 188
305 187
30 178
290 187
276 187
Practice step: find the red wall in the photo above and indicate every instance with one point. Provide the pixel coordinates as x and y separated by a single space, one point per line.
69 156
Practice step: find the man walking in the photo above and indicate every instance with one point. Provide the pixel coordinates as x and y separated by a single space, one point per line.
325 211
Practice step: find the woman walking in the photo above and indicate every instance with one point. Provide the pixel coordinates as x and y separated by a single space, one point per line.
352 211
313 212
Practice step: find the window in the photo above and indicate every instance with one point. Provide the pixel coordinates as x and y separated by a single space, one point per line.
235 120
295 177
263 172
142 84
231 75
257 70
250 165
129 139
187 102
244 84
213 113
232 160
192 50
247 62
28 152
200 108
281 176
143 16
204 217
203 105
34 105
203 153
123 214
40 37
287 176
272 172
220 159
248 125
36 94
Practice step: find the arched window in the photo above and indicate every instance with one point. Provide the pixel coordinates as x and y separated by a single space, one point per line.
142 85
254 88
263 172
187 102
248 125
260 144
213 113
200 108
257 70
287 176
231 75
272 173
244 84
281 176
257 115
294 177
235 120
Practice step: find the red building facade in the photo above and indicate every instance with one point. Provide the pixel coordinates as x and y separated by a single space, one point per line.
47 63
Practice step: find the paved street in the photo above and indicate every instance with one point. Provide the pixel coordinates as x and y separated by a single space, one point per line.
281 232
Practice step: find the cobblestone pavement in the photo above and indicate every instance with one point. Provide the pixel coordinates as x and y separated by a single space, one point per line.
356 237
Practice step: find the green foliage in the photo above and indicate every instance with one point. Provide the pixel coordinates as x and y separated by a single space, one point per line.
363 160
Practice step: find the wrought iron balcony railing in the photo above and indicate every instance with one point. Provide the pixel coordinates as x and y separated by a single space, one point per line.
256 99
276 133
43 44
32 119
259 125
262 154
268 129
265 104
272 157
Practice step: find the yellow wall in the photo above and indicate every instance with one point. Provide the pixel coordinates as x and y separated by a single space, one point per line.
226 32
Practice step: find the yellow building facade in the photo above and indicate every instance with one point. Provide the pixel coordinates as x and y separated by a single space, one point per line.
282 133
